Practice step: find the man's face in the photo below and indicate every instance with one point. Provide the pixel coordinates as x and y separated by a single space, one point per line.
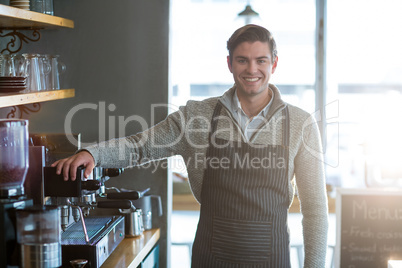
252 67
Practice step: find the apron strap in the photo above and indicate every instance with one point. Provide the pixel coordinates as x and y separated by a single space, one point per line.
286 136
214 121
285 127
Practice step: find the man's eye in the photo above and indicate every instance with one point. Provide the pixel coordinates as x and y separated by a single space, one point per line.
261 61
241 61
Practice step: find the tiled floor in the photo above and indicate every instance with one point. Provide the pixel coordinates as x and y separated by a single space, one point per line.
184 224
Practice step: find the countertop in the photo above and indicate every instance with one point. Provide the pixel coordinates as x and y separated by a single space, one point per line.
131 251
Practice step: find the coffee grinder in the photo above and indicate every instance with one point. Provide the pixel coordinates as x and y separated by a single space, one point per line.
13 169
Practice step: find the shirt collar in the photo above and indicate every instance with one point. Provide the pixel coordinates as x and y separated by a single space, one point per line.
236 105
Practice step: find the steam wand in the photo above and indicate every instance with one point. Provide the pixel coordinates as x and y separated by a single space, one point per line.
82 220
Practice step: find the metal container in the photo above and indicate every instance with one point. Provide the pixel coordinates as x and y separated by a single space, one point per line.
146 203
41 255
134 224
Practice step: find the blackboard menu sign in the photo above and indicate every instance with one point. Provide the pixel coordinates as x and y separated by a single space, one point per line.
368 228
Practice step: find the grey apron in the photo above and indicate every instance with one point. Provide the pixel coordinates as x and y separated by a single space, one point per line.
244 204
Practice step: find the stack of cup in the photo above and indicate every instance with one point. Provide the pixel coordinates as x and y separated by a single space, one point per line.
23 4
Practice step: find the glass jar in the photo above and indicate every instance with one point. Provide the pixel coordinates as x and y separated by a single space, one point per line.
14 155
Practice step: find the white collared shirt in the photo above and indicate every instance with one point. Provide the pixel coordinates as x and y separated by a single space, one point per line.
249 126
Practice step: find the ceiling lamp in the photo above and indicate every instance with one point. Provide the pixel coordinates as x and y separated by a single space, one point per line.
248 13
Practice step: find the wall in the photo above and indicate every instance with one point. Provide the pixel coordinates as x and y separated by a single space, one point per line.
117 61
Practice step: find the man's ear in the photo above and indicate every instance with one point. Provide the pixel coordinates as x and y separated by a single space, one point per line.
275 64
229 64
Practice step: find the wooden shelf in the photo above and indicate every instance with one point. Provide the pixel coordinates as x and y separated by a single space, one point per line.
132 251
16 18
13 99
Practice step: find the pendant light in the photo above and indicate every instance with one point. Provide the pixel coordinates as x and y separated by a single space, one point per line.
248 13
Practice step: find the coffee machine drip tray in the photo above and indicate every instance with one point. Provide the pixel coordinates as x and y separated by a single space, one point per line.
104 233
74 235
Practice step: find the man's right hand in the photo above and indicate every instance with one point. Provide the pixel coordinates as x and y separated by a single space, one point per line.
68 166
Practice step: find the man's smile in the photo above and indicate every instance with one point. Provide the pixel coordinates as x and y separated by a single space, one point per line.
251 79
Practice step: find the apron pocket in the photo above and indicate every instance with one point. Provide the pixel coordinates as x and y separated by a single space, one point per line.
241 241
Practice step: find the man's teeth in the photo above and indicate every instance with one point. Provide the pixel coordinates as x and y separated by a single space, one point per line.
251 79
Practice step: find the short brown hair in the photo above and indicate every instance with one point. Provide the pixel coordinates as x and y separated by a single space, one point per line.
251 33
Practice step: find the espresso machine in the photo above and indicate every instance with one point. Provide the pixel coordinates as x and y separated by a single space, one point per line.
14 163
33 196
92 238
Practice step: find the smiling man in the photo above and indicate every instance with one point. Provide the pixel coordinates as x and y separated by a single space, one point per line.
245 153
252 65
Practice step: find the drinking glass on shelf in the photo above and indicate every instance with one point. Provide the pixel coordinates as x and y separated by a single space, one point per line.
36 69
56 69
48 7
37 5
44 70
7 65
32 71
19 65
42 6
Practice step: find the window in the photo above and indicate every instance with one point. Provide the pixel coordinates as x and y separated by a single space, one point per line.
364 78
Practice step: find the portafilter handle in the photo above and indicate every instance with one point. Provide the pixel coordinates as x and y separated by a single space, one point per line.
121 204
130 195
113 172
